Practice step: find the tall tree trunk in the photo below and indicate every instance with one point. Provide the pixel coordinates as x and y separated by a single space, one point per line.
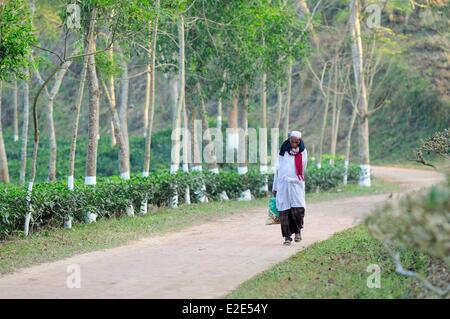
211 159
348 145
180 97
112 93
152 93
76 120
242 123
196 138
264 126
149 81
340 102
94 99
113 134
123 105
288 100
220 104
334 111
242 150
25 125
123 163
175 156
232 137
363 119
324 121
124 167
186 152
263 158
280 106
52 143
15 111
303 5
119 135
50 122
4 173
334 139
264 101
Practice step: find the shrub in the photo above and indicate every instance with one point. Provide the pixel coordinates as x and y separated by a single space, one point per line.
112 196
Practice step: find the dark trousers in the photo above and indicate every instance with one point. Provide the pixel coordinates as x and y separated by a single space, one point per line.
291 221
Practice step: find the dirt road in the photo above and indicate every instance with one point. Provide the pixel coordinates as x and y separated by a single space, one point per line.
205 261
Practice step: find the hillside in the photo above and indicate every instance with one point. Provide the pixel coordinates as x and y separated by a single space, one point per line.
415 88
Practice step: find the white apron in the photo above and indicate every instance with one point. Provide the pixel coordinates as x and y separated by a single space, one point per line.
290 190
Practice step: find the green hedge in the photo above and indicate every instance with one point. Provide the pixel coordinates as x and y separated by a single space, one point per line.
111 196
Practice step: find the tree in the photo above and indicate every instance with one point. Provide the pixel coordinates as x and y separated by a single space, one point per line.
51 95
25 125
15 111
75 123
123 112
4 173
16 38
94 93
150 93
358 71
124 163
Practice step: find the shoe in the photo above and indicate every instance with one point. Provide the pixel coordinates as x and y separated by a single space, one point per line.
298 237
287 242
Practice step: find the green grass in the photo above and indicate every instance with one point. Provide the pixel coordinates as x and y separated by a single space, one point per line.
54 244
335 268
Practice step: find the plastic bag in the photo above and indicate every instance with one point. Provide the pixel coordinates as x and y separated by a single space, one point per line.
273 214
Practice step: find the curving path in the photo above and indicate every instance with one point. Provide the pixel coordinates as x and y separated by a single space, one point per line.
205 261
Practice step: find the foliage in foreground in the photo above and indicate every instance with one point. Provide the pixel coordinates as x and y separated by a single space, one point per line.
419 222
336 268
111 197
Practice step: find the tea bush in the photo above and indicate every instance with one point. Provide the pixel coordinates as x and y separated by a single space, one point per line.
111 197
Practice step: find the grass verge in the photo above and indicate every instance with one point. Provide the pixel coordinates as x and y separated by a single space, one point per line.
54 244
336 268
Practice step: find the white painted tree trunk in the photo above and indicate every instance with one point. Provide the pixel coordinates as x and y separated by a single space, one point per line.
175 155
358 68
186 152
263 168
149 103
94 92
